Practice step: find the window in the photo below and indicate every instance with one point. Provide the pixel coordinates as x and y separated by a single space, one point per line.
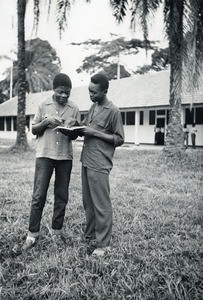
82 116
130 118
152 115
28 122
161 112
141 117
167 116
15 123
2 123
8 123
199 115
123 117
189 116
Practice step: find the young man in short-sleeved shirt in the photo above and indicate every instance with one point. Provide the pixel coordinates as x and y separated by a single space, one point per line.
103 133
54 153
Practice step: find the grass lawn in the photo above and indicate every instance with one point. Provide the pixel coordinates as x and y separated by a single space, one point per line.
157 244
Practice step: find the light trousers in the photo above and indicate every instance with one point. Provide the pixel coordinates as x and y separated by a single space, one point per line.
97 205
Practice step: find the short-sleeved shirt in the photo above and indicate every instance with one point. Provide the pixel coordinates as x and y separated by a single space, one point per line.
193 130
185 132
97 154
53 144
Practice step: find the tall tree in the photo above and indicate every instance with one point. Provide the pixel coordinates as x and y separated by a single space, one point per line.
160 61
21 140
63 6
107 58
184 27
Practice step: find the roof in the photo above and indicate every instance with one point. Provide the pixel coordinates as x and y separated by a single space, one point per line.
150 90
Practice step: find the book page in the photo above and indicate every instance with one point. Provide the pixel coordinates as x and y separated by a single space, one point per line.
69 128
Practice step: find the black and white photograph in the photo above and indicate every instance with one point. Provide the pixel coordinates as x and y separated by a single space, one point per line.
101 149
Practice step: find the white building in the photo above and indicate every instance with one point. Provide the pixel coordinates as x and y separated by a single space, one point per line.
142 99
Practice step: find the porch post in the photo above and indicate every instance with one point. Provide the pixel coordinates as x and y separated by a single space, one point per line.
182 115
137 121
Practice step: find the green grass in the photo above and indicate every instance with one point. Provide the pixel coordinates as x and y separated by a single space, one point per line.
157 247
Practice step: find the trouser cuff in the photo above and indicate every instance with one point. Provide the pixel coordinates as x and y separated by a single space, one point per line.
33 234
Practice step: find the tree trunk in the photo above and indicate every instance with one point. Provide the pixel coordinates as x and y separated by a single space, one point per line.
174 138
21 141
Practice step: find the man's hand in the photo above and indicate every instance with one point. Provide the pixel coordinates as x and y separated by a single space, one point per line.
69 122
53 121
88 131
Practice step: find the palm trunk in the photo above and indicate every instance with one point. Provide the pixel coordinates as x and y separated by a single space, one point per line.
174 138
21 141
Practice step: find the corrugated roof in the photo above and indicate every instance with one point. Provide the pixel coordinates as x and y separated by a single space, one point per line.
138 91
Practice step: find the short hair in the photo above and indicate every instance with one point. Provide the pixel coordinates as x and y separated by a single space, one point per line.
102 80
62 80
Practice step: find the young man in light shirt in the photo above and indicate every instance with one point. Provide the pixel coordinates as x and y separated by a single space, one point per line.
54 153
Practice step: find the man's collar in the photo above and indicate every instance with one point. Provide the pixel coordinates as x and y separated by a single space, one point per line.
107 104
51 101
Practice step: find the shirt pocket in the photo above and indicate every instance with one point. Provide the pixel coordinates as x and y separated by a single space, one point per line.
102 124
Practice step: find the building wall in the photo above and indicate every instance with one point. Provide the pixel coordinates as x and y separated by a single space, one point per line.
138 130
129 134
145 134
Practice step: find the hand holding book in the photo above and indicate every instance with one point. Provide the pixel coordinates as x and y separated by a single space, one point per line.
73 128
71 132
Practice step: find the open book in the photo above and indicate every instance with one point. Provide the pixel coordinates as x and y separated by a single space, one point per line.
73 128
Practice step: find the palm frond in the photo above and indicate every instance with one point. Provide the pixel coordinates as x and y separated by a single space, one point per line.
119 8
141 11
49 9
63 6
36 15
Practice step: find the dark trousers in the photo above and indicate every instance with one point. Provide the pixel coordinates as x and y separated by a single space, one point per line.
43 172
185 140
193 138
97 205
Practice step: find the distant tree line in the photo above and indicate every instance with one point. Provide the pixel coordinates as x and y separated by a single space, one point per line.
42 63
106 58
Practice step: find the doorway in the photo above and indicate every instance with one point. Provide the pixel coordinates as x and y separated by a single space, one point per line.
159 132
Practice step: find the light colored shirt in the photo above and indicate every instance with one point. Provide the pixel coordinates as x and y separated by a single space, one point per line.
185 132
193 130
53 144
97 154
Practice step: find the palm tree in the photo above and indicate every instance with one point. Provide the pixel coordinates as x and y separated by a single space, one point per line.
21 140
184 28
63 6
41 65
